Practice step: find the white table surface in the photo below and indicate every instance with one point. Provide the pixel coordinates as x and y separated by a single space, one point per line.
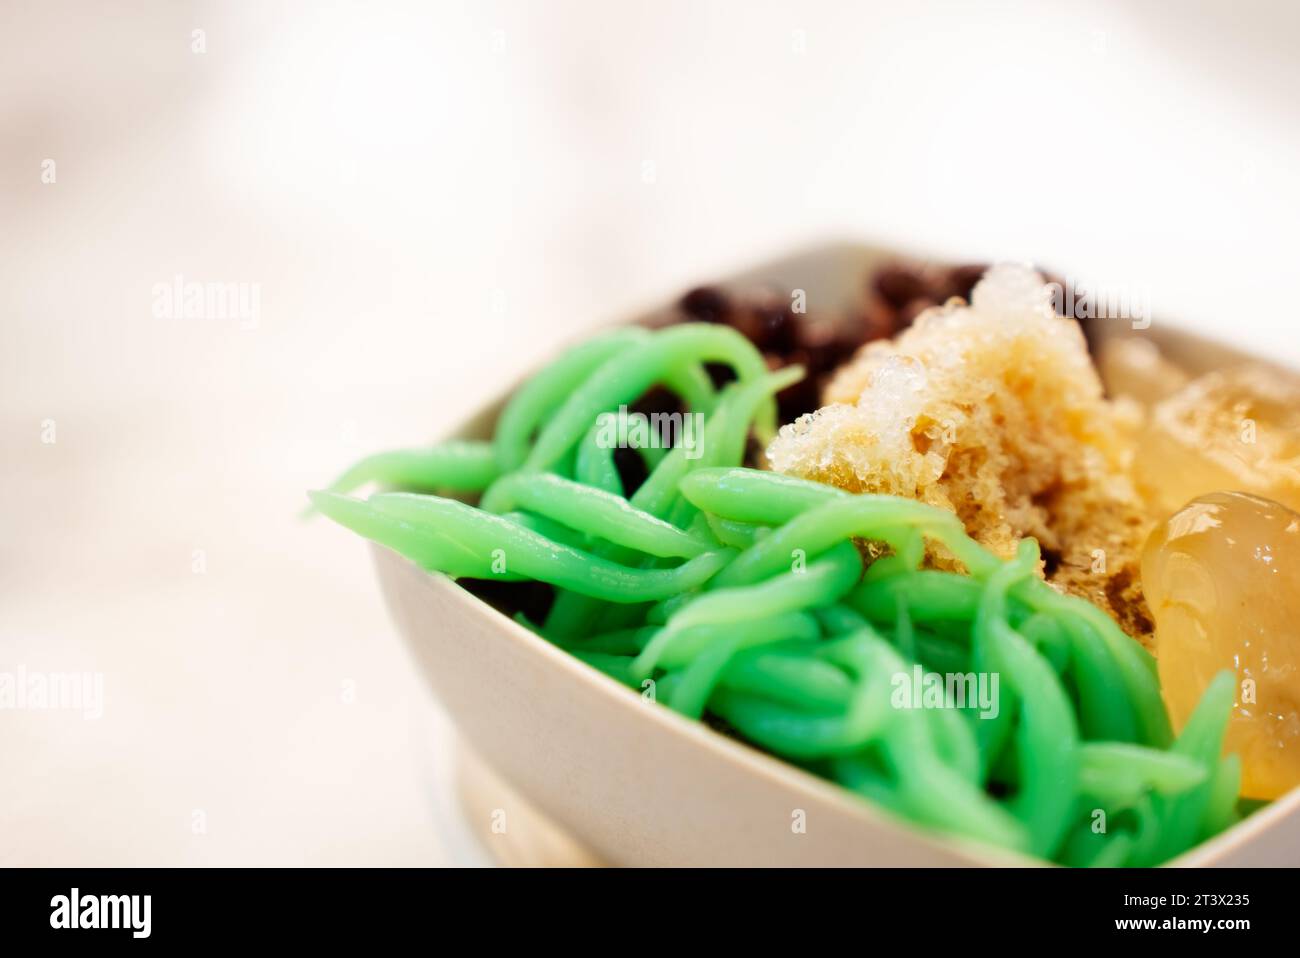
429 197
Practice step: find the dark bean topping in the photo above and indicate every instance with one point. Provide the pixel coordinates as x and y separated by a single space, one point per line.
801 397
961 280
747 321
777 327
898 285
707 304
896 294
878 320
825 346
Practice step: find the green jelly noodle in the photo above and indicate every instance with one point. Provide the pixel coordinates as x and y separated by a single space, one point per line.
985 705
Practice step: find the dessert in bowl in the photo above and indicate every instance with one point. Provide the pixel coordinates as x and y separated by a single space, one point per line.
880 635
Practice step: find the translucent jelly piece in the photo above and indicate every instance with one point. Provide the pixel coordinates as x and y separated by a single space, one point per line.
1236 429
1134 368
1222 579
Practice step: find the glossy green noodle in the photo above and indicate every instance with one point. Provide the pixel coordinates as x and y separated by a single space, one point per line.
454 466
598 513
659 495
742 595
594 464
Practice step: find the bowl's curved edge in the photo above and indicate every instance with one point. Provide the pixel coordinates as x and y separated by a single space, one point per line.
633 780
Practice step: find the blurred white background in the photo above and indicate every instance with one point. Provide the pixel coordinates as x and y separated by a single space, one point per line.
428 197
